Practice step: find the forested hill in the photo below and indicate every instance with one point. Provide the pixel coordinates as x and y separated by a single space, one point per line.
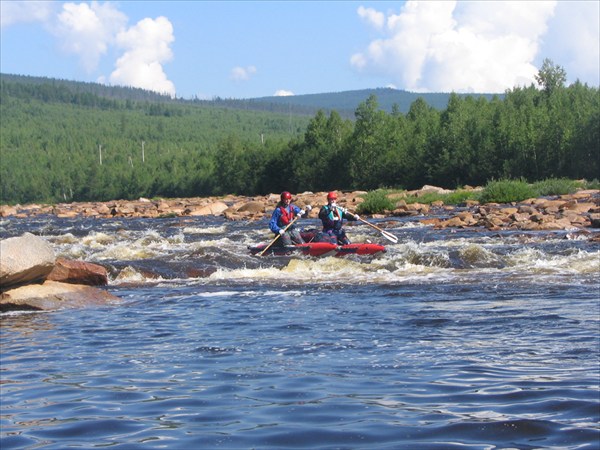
69 141
345 102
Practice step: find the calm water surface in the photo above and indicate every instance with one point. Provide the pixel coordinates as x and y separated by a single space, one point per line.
453 339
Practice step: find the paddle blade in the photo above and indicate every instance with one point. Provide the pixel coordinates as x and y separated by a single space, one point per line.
390 237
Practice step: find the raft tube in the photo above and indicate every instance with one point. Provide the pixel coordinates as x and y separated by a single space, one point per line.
320 249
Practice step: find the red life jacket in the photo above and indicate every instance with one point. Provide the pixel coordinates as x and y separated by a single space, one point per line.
286 216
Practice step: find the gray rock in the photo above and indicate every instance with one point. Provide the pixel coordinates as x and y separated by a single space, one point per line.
24 259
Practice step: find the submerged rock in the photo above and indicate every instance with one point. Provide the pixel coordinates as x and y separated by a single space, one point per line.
54 295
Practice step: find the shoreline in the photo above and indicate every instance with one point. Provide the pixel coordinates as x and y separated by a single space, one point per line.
577 211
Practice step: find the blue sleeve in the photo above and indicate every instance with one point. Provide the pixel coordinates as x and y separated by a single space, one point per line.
273 223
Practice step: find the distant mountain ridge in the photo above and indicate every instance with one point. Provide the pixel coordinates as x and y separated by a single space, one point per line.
348 101
344 102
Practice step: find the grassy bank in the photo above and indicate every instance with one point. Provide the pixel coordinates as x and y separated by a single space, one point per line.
501 191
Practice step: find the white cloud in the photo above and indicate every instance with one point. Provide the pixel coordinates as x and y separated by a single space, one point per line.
242 73
147 48
475 46
87 30
283 93
90 30
12 12
372 17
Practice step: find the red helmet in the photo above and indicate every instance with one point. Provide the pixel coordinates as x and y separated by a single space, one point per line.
285 195
332 196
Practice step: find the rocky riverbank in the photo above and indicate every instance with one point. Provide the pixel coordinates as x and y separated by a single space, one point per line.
580 210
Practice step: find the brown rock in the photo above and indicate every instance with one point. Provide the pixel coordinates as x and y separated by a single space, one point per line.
467 218
492 223
509 211
6 210
433 221
526 209
454 222
253 207
579 207
54 295
214 208
78 272
519 217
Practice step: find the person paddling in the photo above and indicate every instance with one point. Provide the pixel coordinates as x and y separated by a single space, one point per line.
285 212
332 217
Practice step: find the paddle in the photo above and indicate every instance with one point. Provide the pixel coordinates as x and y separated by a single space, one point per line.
277 237
388 236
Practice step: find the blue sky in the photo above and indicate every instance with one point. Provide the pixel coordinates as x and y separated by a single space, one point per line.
250 49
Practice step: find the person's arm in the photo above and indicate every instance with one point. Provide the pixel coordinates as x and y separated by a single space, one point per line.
349 216
302 212
273 223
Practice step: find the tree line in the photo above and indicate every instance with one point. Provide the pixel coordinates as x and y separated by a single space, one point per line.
64 151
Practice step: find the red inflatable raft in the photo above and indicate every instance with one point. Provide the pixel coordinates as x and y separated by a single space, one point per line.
322 249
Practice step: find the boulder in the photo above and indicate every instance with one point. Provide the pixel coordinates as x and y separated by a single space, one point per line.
253 207
6 210
54 295
78 272
428 189
214 208
24 259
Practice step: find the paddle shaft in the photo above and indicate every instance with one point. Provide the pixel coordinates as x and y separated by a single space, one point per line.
277 237
388 236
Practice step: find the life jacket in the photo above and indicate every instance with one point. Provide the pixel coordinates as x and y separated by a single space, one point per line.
332 213
286 216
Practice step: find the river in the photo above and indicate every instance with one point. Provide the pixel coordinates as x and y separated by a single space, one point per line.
452 339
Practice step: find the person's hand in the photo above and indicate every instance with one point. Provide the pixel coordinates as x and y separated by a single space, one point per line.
308 208
345 210
356 216
302 212
282 231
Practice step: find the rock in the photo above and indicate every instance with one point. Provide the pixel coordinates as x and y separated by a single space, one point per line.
435 189
78 272
6 210
24 259
214 209
252 207
454 222
467 219
54 295
526 209
579 207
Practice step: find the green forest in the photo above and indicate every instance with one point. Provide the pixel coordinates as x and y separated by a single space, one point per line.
62 142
